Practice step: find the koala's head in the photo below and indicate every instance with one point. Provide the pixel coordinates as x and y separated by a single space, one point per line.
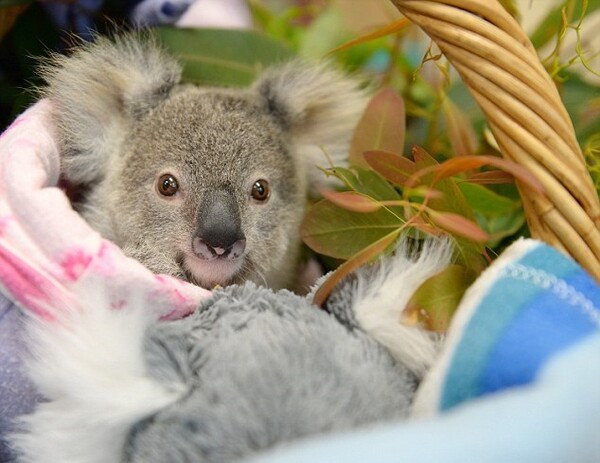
206 184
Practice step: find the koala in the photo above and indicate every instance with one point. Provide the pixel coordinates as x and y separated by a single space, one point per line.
204 184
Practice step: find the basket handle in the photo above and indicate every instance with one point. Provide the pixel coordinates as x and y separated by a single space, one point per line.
500 66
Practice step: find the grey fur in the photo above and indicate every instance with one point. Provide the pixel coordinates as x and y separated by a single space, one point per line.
124 118
264 368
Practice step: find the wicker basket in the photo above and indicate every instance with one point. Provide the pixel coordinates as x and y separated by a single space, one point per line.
499 65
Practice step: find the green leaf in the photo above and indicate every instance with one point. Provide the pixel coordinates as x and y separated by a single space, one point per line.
591 151
436 300
393 167
222 57
510 6
502 226
323 34
579 97
282 24
485 201
367 182
388 29
550 27
452 199
381 127
468 252
498 215
362 257
331 230
461 133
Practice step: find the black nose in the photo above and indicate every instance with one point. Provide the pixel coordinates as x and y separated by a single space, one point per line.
219 233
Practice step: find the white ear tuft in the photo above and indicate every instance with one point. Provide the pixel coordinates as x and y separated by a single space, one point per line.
318 105
98 90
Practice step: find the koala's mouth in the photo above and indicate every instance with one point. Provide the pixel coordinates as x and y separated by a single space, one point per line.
210 273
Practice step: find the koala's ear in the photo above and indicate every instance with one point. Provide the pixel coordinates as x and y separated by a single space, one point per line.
98 91
317 104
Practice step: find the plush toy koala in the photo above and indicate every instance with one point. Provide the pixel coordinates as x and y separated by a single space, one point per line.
250 370
205 184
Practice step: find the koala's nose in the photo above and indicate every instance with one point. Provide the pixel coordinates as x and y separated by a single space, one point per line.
208 251
219 233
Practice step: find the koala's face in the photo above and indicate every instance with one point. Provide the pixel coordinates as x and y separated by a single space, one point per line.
200 183
206 188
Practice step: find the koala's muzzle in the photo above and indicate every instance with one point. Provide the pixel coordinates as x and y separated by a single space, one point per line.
219 233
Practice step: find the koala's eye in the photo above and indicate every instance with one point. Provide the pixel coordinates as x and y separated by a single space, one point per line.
167 185
260 190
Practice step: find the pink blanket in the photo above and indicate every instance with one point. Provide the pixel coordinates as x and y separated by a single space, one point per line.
49 256
51 259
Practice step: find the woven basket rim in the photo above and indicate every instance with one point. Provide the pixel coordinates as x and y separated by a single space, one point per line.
499 65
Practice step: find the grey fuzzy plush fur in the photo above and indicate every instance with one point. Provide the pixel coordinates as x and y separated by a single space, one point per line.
264 368
124 118
250 370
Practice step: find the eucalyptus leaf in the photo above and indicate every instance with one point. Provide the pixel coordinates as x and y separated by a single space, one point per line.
222 57
485 201
367 182
510 6
500 227
393 167
365 255
498 215
324 33
381 127
468 252
331 230
578 96
452 199
461 133
436 300
550 26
